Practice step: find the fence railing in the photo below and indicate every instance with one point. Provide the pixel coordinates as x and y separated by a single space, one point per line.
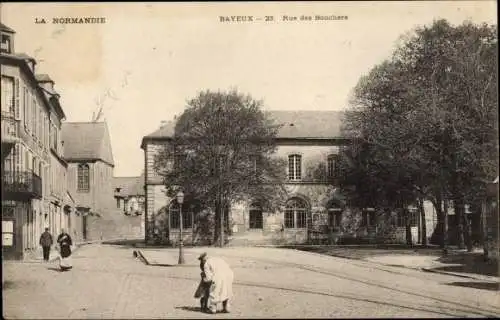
22 182
9 126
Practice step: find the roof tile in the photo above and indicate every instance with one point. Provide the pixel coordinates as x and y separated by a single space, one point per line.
295 124
87 140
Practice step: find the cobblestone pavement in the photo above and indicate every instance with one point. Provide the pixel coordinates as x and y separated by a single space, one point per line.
108 282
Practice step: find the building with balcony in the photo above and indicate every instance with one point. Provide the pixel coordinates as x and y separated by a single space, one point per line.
34 192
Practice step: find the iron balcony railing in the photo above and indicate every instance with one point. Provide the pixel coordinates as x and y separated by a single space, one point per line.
22 182
9 127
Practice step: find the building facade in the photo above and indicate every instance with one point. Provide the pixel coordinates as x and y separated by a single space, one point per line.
130 203
87 149
310 141
34 193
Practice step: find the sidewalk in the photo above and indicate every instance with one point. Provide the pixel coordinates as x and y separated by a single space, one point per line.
37 255
459 263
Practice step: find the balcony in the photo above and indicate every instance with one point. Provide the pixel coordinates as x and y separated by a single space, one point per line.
21 185
10 127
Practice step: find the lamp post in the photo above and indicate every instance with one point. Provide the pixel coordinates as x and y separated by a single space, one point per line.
180 200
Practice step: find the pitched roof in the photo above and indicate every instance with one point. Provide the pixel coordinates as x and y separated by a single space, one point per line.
308 123
129 186
5 28
43 78
167 129
295 124
87 141
24 56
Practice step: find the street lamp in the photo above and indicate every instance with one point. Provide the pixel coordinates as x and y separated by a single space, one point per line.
180 200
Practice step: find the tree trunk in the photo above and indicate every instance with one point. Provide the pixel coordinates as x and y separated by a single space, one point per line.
484 229
216 235
445 227
458 207
468 232
408 226
437 235
423 224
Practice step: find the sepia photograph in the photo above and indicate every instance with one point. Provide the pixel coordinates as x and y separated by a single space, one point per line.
298 159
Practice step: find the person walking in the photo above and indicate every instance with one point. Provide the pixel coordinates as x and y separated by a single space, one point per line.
65 243
218 274
46 242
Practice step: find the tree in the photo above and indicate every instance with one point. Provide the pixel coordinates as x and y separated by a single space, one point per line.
222 152
429 117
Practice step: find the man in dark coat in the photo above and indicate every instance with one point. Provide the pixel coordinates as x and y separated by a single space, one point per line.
46 242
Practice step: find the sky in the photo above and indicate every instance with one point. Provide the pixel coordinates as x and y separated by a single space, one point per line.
147 59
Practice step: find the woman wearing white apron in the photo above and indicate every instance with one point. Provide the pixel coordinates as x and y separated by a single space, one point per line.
65 243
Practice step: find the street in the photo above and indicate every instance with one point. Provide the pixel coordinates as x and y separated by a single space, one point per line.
109 282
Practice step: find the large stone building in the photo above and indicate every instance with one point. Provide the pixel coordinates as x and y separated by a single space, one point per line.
310 141
87 149
34 192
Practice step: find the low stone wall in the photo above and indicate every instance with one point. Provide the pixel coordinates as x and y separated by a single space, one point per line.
118 227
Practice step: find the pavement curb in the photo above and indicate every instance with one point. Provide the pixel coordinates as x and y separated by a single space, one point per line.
484 278
140 255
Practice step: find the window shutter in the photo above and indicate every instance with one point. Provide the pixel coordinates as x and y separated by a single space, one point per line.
16 100
25 106
17 160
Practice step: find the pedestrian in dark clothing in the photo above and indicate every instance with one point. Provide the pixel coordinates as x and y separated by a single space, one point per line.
65 244
203 290
46 242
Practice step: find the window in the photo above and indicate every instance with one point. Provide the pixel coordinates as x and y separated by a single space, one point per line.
6 44
332 165
179 160
33 114
174 214
295 213
83 177
294 167
335 216
8 98
255 217
118 203
368 218
56 139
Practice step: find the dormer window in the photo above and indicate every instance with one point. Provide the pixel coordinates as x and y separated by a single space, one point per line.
6 44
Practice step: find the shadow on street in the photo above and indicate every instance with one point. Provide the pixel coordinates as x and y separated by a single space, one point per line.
477 285
190 308
468 262
359 252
